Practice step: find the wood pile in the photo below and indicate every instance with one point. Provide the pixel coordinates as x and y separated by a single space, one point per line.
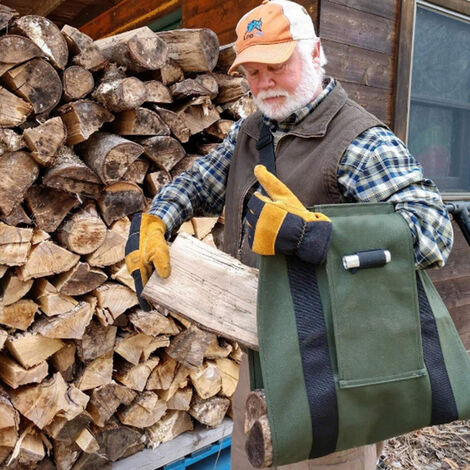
89 132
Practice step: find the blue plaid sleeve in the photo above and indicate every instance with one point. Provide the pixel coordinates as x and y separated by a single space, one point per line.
200 191
378 167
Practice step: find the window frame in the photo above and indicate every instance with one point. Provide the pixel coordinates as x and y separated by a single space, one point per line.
404 62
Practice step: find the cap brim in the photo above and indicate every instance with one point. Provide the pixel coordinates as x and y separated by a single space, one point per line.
265 54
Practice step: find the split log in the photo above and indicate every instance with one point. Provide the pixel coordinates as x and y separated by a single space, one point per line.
83 232
120 273
44 140
153 323
220 128
121 94
155 181
96 341
135 377
3 338
209 412
206 380
86 441
115 297
46 35
170 72
109 155
230 88
117 441
9 417
65 455
70 174
189 346
136 348
111 251
19 315
194 50
14 375
63 361
86 53
19 172
14 288
7 14
77 82
198 114
69 325
180 380
157 92
15 49
144 411
91 462
258 446
63 430
229 371
80 280
137 50
201 85
203 226
136 171
46 259
255 407
241 108
227 55
15 244
14 110
40 403
120 199
51 302
39 236
217 288
140 121
30 349
37 82
181 400
170 426
31 450
83 118
175 122
48 206
165 151
97 372
163 374
105 400
218 351
10 141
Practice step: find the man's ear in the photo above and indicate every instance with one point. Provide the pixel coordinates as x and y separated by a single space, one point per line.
316 53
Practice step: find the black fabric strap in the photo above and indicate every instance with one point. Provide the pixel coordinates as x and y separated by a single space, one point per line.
265 147
313 343
444 408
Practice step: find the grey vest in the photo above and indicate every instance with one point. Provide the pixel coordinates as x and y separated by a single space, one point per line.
307 160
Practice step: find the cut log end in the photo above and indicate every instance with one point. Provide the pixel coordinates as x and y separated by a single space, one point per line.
258 446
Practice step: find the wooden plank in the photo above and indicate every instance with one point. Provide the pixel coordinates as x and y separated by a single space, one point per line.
186 443
456 293
403 73
45 7
126 15
356 65
220 296
357 28
375 100
461 318
386 8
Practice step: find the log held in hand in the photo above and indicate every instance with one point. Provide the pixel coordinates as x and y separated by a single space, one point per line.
210 288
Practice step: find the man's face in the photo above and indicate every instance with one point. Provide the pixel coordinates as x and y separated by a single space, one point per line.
280 89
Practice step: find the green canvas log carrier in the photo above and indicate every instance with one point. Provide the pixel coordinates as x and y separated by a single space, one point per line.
349 357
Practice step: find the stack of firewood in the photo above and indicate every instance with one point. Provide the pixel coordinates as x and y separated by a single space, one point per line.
89 132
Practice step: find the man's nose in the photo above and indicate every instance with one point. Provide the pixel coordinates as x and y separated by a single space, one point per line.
265 80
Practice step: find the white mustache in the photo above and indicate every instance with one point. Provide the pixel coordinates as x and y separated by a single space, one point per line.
263 94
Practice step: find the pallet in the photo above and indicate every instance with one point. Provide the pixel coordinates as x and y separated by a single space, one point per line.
177 449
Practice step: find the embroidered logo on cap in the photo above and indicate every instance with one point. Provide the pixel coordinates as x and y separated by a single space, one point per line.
252 27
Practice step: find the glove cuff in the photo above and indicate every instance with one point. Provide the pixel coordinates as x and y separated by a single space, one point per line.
314 242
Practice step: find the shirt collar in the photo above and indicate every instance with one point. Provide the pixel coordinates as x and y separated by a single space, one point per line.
297 116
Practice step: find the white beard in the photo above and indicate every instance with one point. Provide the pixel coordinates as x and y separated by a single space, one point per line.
303 94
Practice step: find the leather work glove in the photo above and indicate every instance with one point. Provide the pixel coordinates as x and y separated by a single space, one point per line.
146 250
281 224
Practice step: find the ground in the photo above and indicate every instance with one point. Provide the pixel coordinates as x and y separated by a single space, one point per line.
445 447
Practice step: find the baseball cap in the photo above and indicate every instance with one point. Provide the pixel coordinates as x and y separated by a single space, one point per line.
268 33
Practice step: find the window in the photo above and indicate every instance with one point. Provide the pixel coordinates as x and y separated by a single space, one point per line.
170 21
439 113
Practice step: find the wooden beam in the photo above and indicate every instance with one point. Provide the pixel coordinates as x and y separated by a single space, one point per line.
210 288
45 7
126 15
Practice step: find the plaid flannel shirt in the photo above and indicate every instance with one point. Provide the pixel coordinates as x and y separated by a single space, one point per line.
376 167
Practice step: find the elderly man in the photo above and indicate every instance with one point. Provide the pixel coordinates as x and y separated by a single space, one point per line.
327 150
